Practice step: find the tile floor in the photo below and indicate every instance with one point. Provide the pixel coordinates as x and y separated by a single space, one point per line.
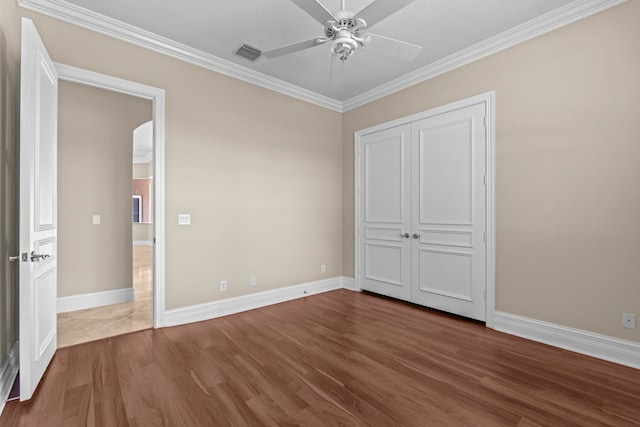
88 325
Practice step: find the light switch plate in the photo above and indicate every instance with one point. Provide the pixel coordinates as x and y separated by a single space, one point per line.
96 220
184 219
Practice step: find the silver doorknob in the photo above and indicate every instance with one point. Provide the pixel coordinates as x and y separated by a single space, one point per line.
14 258
36 257
416 236
405 235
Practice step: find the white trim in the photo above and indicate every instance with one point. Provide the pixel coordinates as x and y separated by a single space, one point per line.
142 242
553 20
489 100
157 96
490 170
94 299
584 342
349 283
82 17
94 21
8 373
225 307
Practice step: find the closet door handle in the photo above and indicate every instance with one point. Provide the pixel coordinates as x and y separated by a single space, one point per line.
416 236
405 235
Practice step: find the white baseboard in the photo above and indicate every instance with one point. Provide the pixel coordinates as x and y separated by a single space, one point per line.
95 299
142 243
349 283
584 342
211 310
8 373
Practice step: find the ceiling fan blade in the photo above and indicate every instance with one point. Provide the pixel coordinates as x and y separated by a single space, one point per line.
291 48
316 10
393 48
380 9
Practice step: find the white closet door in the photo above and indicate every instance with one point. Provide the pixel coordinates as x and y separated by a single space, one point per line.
448 215
385 219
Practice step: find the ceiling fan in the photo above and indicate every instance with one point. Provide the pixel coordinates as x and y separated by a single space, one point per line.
344 30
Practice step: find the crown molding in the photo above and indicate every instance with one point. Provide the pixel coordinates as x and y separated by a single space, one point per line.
85 18
553 20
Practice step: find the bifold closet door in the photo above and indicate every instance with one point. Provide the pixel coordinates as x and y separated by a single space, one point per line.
448 215
385 215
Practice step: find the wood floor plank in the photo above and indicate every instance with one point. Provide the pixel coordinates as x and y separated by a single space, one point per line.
335 359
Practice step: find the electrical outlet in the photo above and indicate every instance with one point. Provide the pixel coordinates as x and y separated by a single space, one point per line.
253 280
323 268
184 219
223 285
628 320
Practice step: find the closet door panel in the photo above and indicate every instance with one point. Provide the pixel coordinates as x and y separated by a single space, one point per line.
445 174
447 273
385 198
448 253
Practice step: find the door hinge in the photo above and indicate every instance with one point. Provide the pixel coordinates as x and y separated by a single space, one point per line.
485 121
154 240
485 294
484 237
485 179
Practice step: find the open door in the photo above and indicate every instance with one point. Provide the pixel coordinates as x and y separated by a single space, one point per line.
38 206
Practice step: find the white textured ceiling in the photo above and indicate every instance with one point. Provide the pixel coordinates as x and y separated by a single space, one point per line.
442 27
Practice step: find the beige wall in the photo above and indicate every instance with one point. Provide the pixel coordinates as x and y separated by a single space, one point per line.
9 179
95 150
259 172
567 172
142 170
143 232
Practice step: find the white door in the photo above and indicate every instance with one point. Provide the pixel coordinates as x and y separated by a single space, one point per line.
448 218
385 219
38 205
422 198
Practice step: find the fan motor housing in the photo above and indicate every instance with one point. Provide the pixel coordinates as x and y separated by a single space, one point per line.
348 24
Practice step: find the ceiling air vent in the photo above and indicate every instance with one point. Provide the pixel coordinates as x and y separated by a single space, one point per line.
249 52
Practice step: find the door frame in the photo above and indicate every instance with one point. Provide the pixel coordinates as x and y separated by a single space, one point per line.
157 97
488 99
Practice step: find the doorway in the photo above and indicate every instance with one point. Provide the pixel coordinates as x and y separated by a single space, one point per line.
150 263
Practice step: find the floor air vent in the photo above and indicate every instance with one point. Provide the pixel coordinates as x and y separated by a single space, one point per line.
249 52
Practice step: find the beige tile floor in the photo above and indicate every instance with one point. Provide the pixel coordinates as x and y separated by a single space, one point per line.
88 325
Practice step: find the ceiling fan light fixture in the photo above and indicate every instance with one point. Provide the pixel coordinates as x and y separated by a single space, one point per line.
343 46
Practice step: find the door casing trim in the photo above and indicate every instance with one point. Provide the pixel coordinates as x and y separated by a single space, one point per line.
157 97
488 99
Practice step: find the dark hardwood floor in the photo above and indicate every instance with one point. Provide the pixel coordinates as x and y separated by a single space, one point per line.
335 359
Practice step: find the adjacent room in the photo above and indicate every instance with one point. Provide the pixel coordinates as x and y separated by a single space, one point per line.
105 168
319 212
